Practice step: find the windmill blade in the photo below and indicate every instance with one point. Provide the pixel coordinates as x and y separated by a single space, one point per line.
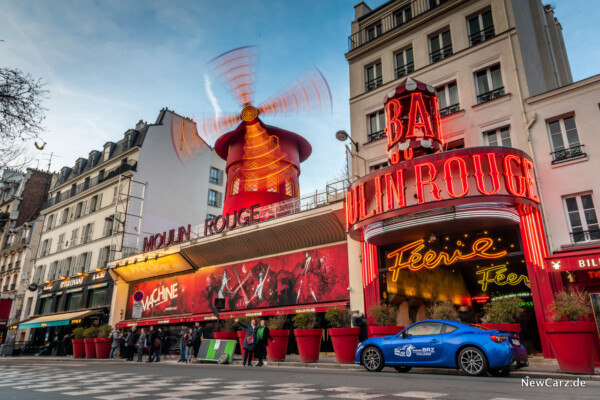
308 93
212 126
236 70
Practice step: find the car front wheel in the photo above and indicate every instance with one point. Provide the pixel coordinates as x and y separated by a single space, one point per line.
372 359
472 361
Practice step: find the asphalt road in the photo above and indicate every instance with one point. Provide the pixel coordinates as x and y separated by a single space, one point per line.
50 380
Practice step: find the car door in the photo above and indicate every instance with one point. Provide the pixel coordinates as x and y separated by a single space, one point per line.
419 344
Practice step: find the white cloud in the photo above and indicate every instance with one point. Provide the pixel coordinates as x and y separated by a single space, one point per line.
211 96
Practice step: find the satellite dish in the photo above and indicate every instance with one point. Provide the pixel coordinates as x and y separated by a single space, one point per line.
341 135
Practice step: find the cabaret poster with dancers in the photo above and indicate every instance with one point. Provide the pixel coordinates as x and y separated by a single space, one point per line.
308 277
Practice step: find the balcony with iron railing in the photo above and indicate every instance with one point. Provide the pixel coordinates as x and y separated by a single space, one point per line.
390 21
568 154
440 54
491 95
449 110
373 83
376 135
405 69
585 236
129 166
483 35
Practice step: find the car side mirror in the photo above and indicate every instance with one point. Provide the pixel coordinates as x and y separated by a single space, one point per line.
403 333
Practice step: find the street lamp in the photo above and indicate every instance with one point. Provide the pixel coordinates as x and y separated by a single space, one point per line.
342 135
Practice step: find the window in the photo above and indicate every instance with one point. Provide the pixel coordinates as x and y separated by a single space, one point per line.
103 257
108 226
50 222
214 198
373 31
86 233
289 188
378 166
65 216
404 62
114 197
481 27
83 263
78 208
373 78
563 131
46 306
101 175
440 46
251 183
402 16
46 247
74 300
74 236
498 137
97 297
488 82
235 186
425 328
376 125
106 152
435 3
65 269
216 176
582 218
448 96
61 242
53 272
447 328
210 216
455 144
95 203
272 184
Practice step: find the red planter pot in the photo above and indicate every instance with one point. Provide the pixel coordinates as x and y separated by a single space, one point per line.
78 348
573 345
512 327
240 336
103 346
225 335
90 348
309 344
277 348
345 342
380 331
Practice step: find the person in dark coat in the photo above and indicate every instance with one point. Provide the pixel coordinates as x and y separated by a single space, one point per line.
132 340
249 340
150 336
262 341
358 321
196 339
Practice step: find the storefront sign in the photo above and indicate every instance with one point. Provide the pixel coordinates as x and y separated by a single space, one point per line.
411 257
167 239
76 281
570 263
307 277
497 276
71 282
427 182
227 222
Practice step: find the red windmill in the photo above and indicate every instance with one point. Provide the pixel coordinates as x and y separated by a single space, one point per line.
263 161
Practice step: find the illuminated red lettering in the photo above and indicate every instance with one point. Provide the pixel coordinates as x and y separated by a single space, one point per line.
418 117
378 195
420 182
528 172
363 203
393 125
509 160
462 175
437 119
149 243
351 207
395 190
493 174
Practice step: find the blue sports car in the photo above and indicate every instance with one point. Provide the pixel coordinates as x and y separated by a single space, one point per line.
445 344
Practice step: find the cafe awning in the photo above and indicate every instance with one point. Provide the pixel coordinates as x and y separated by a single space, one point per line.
57 319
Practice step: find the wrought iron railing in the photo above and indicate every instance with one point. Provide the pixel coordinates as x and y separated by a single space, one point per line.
440 54
405 69
389 21
376 135
585 236
449 110
568 153
129 166
373 84
483 35
491 95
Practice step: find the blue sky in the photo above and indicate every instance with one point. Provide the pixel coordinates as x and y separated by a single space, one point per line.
109 64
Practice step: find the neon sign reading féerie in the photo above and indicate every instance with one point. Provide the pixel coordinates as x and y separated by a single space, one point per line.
497 276
411 257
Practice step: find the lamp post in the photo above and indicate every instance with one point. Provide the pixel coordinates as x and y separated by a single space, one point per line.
342 136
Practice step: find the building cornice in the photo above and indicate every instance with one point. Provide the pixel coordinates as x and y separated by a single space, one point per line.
565 92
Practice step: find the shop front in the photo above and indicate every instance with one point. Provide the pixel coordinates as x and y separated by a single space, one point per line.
461 225
66 304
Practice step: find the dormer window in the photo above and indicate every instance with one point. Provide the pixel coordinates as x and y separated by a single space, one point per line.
93 157
107 150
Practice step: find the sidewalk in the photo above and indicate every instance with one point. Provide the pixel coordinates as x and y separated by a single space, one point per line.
538 366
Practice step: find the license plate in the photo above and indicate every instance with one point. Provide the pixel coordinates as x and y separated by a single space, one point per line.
515 342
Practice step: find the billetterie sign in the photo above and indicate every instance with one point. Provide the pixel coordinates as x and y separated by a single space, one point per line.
455 177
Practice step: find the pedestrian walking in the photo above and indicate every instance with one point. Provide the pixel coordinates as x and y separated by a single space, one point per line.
182 346
196 339
189 346
249 340
115 341
131 342
156 346
150 342
141 345
262 341
358 321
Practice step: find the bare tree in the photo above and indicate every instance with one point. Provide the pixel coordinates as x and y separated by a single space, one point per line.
21 116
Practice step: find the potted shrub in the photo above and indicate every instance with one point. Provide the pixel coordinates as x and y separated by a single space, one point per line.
502 315
443 309
103 341
227 330
571 333
343 337
89 337
308 338
78 345
384 320
280 337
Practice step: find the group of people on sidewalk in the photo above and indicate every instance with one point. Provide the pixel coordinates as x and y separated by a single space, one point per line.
189 343
136 342
255 341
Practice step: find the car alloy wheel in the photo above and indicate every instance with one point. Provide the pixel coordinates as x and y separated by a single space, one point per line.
372 359
472 361
402 369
